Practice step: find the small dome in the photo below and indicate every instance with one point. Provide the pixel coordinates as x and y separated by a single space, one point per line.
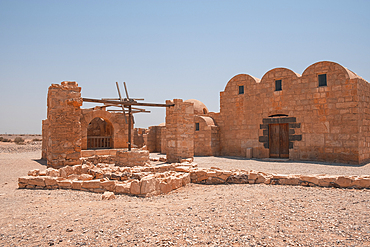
199 107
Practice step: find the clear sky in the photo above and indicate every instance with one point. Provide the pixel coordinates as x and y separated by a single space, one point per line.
165 49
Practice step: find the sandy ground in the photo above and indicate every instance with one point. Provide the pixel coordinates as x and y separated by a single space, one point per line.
199 215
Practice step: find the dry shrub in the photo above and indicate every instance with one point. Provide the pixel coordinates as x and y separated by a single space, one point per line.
36 140
2 139
19 140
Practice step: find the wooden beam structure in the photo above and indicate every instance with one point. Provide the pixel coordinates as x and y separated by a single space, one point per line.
125 103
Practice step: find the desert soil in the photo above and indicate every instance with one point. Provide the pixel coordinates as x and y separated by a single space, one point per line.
199 215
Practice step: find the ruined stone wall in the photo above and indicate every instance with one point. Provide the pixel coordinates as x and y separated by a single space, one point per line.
163 140
323 121
45 138
154 139
179 130
64 128
139 137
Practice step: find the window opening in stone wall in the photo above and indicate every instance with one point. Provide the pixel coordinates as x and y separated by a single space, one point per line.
241 89
278 85
99 134
196 126
322 80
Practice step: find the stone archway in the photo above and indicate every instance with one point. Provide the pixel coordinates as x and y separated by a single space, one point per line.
99 134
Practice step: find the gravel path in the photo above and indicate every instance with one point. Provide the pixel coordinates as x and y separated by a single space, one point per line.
199 215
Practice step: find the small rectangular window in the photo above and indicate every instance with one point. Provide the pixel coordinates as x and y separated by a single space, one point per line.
278 86
322 80
196 126
241 89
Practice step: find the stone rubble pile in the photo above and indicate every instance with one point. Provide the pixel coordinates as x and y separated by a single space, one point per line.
138 181
161 179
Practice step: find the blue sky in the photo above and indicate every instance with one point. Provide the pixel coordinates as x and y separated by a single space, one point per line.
165 49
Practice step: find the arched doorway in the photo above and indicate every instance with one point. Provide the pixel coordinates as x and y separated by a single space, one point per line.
99 134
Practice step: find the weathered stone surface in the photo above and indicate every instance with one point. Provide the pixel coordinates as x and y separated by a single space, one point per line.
64 172
34 172
65 184
52 172
123 188
91 184
135 187
238 179
132 158
149 184
77 185
37 181
50 181
108 185
343 182
108 196
84 177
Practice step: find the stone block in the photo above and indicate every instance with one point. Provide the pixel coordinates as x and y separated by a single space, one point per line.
149 184
108 185
65 184
123 188
51 172
91 184
135 187
77 185
50 181
108 196
343 182
37 181
34 172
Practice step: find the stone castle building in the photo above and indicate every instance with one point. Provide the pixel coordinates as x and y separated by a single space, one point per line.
321 115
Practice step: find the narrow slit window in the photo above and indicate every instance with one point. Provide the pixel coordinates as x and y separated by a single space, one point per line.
278 85
322 80
196 126
241 89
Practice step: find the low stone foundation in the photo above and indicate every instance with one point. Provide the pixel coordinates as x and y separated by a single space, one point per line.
161 179
138 181
132 158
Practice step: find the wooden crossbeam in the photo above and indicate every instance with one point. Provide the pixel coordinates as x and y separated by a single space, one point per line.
126 103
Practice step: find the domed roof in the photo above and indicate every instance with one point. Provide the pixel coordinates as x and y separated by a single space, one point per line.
199 107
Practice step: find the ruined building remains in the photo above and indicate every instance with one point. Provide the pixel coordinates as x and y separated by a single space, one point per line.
321 115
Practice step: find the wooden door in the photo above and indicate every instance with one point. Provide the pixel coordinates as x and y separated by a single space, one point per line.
279 140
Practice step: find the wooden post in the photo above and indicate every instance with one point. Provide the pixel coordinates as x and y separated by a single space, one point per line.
129 127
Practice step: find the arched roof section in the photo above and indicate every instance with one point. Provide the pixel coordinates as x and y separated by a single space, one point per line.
278 73
322 65
199 107
88 115
245 78
207 120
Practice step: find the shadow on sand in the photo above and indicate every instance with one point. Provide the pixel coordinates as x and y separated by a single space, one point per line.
41 161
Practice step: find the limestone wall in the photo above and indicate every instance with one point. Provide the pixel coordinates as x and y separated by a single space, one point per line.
45 138
63 129
179 131
323 121
206 139
364 120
